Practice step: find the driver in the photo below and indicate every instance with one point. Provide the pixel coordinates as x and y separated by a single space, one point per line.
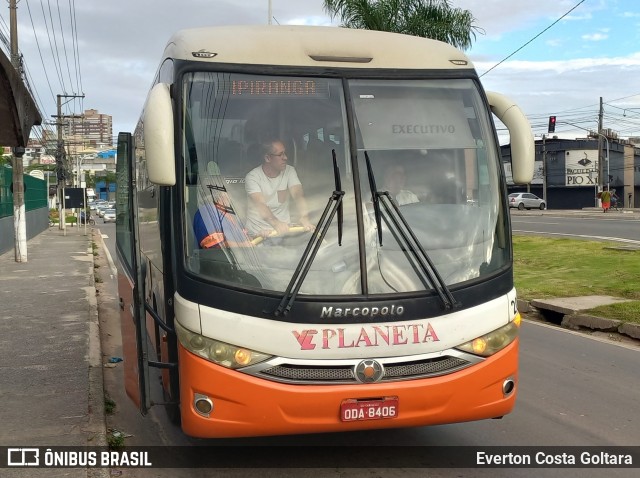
394 183
269 188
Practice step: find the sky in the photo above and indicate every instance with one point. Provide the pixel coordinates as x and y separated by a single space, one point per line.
590 50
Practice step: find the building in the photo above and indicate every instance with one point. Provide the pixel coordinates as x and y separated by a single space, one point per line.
572 180
94 128
33 153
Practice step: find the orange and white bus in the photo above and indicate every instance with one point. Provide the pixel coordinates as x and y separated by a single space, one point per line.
397 309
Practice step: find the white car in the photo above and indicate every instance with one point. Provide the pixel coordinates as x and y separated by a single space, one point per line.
109 215
100 209
526 201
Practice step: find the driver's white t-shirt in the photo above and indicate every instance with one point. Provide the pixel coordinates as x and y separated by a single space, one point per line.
405 197
276 195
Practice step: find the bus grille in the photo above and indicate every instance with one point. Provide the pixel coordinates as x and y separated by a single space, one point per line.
322 374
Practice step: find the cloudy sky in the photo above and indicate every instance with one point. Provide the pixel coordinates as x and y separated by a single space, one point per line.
592 51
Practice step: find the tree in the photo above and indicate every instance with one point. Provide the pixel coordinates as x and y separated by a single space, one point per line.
4 159
435 19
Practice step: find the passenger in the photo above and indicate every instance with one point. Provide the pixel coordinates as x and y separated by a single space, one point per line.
269 188
215 223
394 181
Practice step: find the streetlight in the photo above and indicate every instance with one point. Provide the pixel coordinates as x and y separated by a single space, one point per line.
79 162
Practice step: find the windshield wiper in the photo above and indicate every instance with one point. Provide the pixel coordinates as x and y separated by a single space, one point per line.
375 198
407 240
304 264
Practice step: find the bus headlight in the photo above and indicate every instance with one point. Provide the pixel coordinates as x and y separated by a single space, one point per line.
218 352
493 342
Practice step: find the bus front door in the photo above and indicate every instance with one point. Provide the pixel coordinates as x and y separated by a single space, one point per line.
131 280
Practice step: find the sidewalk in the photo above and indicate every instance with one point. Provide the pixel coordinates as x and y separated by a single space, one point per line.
51 386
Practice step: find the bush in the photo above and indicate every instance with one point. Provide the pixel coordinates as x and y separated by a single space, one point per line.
54 217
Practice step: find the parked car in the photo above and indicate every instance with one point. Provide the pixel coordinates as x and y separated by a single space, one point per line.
109 215
101 208
526 201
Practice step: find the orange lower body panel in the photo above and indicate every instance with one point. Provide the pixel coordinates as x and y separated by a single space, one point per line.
245 406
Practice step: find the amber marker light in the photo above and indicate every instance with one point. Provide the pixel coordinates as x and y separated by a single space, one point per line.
479 345
242 357
517 319
491 343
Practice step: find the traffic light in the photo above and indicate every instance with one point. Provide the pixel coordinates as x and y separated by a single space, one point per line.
552 124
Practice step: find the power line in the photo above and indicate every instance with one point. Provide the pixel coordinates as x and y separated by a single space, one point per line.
64 44
55 64
44 68
76 51
4 36
505 59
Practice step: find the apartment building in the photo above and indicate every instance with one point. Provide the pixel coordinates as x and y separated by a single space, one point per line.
94 128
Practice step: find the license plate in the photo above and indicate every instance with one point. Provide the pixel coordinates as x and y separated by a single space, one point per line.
354 410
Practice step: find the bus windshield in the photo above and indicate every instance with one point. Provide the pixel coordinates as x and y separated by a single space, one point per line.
258 154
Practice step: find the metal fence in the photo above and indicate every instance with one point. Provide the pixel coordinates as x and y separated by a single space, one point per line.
35 192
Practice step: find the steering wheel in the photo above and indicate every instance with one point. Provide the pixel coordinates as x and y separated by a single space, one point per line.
292 230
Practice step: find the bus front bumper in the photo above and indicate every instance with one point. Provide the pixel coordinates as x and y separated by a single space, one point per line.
243 405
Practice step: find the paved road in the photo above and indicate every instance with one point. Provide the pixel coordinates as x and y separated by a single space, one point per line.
574 390
615 227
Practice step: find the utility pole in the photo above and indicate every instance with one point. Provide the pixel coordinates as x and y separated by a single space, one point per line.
61 163
269 13
19 211
13 33
600 159
544 170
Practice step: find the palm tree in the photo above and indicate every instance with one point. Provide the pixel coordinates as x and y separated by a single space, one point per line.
435 19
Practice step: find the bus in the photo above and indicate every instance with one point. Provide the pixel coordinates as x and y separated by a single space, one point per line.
397 308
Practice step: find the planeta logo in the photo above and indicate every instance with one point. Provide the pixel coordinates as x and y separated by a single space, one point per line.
366 336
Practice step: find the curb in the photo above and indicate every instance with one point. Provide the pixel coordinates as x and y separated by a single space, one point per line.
97 418
578 321
632 330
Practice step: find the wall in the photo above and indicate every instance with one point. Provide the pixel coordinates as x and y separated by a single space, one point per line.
572 172
37 210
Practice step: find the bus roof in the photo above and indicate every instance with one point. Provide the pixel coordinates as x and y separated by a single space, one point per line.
314 46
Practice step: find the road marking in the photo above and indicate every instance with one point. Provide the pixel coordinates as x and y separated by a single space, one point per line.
596 217
600 238
535 222
112 266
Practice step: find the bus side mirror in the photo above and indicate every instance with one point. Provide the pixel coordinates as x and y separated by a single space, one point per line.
522 144
158 136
